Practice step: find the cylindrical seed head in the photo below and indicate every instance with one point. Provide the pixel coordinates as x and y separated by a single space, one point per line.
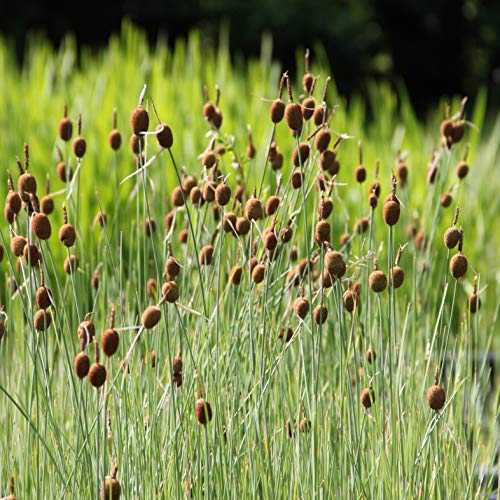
109 341
377 281
436 397
458 266
203 411
67 235
151 317
139 120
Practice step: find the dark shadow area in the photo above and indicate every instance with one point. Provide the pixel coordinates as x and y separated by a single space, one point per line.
437 47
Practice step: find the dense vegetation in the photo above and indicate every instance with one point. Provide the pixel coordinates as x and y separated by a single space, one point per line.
291 416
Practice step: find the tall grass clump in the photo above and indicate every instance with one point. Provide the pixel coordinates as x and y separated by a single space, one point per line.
244 285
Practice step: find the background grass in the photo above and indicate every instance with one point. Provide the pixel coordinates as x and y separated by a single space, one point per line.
57 439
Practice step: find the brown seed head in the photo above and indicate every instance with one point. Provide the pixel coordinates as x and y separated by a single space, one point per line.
172 267
86 332
188 183
97 375
319 115
150 227
286 234
301 307
371 356
178 196
367 397
396 276
360 174
111 489
79 147
322 140
14 202
70 264
253 209
348 300
43 297
235 275
139 120
461 170
446 200
42 320
458 265
325 208
26 186
285 334
296 179
361 225
151 317
115 139
277 111
136 144
109 341
206 254
242 226
67 235
436 397
377 281
209 191
61 172
322 232
47 205
170 291
474 303
41 226
402 174
308 105
164 136
223 194
446 128
32 255
277 161
65 129
17 245
301 154
334 263
209 159
293 116
320 314
258 273
196 196
391 212
203 411
327 159
81 365
8 214
272 205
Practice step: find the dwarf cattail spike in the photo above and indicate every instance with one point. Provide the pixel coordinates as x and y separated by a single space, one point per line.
461 240
400 253
26 157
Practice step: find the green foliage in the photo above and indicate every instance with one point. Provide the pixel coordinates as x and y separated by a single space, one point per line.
57 438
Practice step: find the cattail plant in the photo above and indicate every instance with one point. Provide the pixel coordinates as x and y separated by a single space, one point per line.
436 395
97 373
110 338
111 489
